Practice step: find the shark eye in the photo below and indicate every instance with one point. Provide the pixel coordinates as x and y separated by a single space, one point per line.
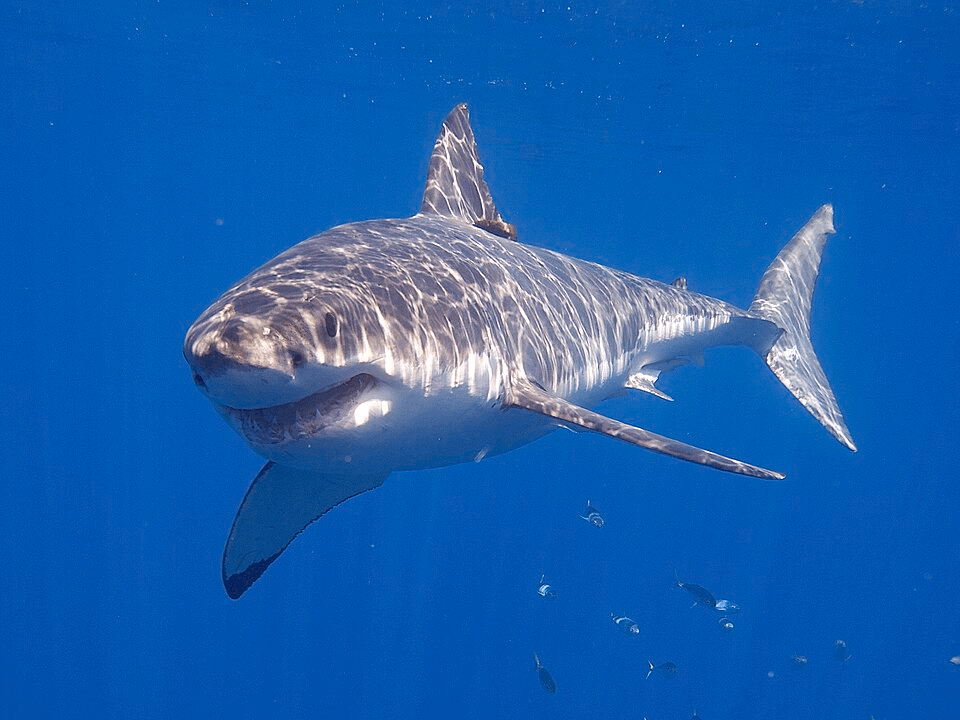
331 322
296 357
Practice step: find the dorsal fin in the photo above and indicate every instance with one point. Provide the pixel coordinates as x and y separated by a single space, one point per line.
455 185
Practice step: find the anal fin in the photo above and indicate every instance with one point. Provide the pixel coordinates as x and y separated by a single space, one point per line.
525 394
279 504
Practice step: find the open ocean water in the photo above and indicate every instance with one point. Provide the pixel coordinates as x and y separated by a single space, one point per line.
152 153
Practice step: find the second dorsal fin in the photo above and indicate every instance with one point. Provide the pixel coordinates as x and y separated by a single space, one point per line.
455 185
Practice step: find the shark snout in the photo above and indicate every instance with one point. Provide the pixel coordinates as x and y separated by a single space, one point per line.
239 364
210 364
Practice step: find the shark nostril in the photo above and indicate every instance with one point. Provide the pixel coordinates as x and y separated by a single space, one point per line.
198 381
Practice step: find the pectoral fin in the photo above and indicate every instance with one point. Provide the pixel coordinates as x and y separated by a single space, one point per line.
279 504
529 396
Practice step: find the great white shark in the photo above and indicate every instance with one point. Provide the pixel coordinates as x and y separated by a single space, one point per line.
440 338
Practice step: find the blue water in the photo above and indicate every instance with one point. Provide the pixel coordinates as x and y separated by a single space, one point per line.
152 153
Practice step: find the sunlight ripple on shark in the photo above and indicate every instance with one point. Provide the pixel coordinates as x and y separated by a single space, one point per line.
439 339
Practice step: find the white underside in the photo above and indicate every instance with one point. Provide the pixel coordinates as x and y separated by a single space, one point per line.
394 427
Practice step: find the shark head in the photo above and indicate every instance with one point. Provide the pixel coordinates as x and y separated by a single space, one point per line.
354 325
288 364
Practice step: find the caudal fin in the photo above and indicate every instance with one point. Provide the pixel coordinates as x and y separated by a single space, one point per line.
784 297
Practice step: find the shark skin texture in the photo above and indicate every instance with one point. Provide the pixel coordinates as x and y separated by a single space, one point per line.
402 344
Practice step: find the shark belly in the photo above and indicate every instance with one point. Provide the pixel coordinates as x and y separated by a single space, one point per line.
399 429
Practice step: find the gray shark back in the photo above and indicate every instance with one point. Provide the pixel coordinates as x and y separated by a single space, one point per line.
444 292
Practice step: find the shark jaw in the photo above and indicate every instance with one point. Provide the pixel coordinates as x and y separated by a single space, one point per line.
346 405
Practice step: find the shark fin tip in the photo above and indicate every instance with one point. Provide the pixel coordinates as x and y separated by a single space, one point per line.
237 584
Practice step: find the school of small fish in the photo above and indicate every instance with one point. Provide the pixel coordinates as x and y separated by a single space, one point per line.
701 597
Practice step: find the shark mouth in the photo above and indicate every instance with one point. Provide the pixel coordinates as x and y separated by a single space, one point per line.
304 418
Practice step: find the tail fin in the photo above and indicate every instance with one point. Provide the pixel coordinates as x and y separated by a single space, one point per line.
784 297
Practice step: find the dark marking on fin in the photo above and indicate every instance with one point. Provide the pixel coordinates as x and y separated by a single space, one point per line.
524 394
236 585
498 227
279 504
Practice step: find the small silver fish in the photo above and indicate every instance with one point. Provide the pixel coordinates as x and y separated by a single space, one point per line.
726 624
704 597
545 680
625 624
725 606
798 662
955 661
840 653
593 516
546 590
667 669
